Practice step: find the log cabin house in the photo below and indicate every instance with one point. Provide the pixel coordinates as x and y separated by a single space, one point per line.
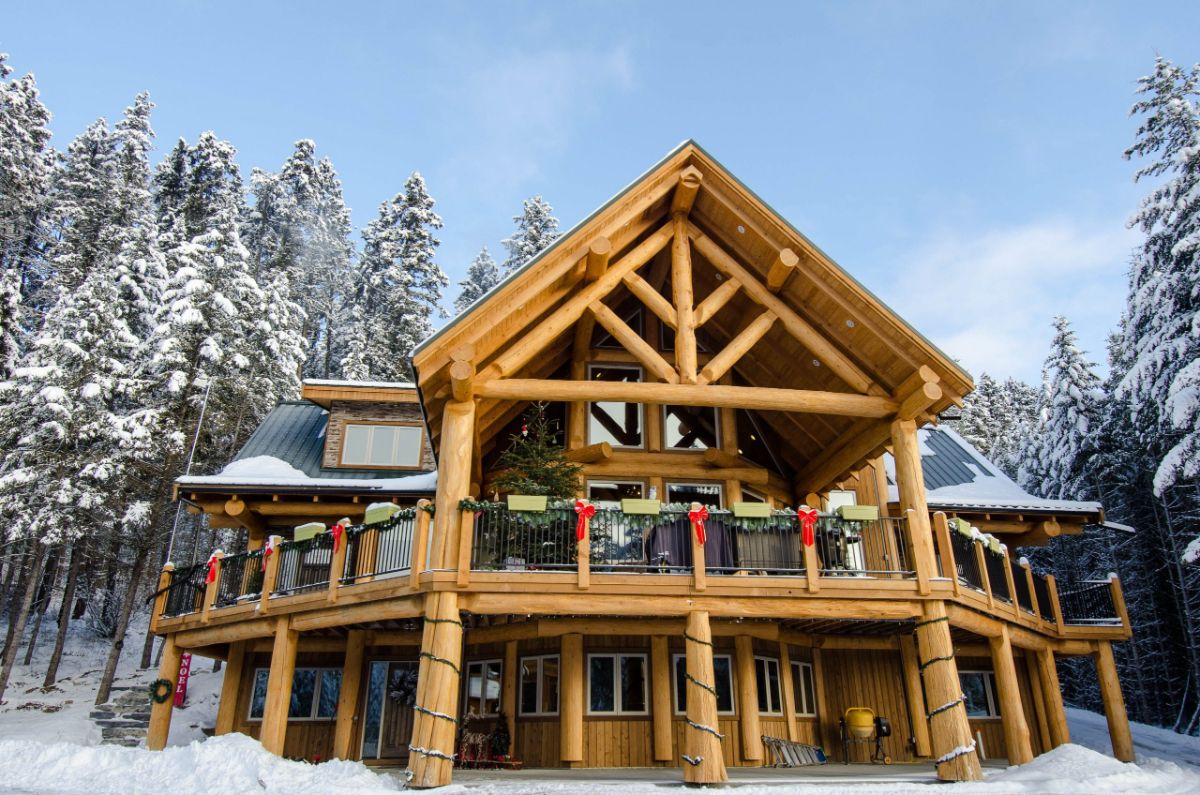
702 357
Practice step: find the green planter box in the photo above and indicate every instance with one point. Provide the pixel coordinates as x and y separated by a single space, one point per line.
532 503
641 507
380 513
859 513
752 510
307 531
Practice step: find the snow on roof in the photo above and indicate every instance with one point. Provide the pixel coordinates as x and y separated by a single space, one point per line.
958 476
366 384
265 470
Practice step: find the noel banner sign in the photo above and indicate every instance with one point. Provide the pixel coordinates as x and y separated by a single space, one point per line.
185 669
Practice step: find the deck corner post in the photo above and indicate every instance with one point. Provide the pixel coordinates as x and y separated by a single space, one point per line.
273 733
439 682
270 575
571 708
703 762
1114 703
160 713
910 482
952 744
1012 713
213 583
160 595
699 581
1056 715
348 695
230 686
418 557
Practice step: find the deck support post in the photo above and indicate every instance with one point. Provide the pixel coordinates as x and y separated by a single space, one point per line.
160 714
1012 713
950 733
752 749
1114 703
454 481
1056 715
910 482
273 733
914 696
704 762
347 706
788 690
571 708
1039 697
660 693
435 726
230 685
508 692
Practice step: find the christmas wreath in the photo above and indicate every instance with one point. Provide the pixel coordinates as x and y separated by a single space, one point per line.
161 690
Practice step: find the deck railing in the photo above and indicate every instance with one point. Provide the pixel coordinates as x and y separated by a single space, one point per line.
996 564
186 590
303 565
1088 603
380 549
1041 589
1021 585
241 578
966 560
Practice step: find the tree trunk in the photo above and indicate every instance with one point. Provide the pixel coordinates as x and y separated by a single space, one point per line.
64 613
42 601
118 642
22 563
18 629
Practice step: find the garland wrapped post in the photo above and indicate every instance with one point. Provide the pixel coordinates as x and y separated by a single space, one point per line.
950 733
706 763
431 750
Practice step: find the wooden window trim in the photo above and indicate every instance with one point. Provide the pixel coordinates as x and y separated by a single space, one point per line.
778 681
540 658
698 451
720 486
618 710
675 658
312 718
418 467
989 685
800 665
466 685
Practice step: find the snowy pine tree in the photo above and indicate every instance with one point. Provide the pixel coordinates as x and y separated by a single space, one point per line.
482 276
537 228
397 288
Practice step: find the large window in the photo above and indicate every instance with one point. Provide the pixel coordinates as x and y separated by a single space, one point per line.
704 493
722 674
387 446
539 685
979 688
314 693
766 676
619 424
689 427
609 493
803 687
483 687
617 684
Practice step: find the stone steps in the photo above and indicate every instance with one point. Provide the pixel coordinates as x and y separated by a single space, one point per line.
125 719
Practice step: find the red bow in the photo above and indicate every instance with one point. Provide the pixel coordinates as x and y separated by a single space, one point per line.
338 531
586 511
808 520
698 516
211 573
268 548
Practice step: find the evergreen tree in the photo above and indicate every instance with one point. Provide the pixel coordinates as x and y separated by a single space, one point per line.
535 462
482 276
537 228
977 422
329 257
397 288
10 321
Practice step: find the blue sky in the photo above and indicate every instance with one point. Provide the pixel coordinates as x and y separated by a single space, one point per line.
963 160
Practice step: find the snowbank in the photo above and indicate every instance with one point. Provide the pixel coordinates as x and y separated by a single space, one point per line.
230 764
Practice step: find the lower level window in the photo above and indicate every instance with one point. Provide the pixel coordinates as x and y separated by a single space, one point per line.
723 681
314 693
539 685
617 684
483 687
979 688
802 686
766 675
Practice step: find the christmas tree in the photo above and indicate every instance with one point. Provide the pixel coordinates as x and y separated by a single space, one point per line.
535 462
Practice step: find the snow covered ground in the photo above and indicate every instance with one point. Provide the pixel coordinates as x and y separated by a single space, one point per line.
48 746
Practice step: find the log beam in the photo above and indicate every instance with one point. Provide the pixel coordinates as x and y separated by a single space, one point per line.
597 259
439 684
1012 713
160 714
783 266
348 695
950 732
592 454
1056 715
705 763
279 687
462 374
633 343
716 299
230 685
652 299
1114 703
751 730
660 692
686 190
571 709
681 290
738 347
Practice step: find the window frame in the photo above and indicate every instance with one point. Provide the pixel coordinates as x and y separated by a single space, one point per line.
316 701
719 486
345 432
665 418
466 686
989 686
618 708
811 680
641 407
778 684
540 658
675 658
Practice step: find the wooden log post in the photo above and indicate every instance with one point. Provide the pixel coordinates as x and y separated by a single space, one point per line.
419 552
789 692
270 576
751 728
945 547
1118 598
160 595
910 481
212 583
1012 712
981 565
952 744
337 564
571 710
681 288
160 714
454 481
1114 703
704 762
273 733
698 563
583 549
348 696
598 253
435 725
466 540
823 714
783 266
1033 597
230 686
660 696
1010 581
1056 715
1039 699
812 565
915 697
508 692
